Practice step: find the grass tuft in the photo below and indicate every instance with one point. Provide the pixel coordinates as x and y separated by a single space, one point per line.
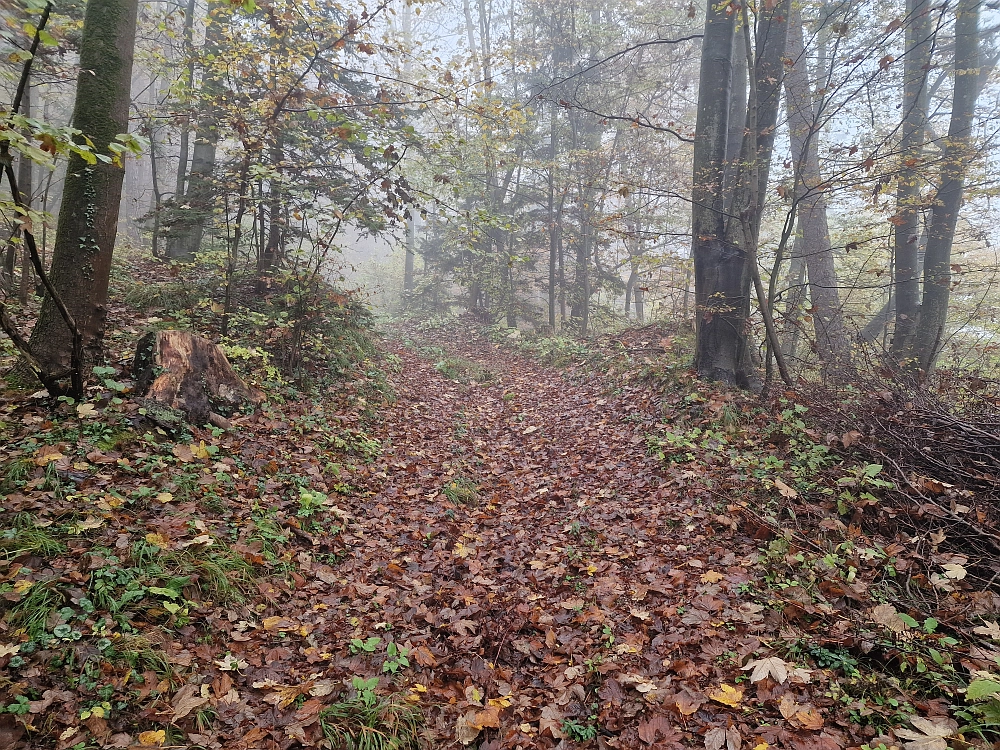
368 721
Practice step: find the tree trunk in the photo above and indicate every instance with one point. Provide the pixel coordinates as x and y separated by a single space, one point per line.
157 196
195 206
832 342
919 43
411 243
737 118
929 336
553 224
24 185
88 217
274 245
182 159
721 291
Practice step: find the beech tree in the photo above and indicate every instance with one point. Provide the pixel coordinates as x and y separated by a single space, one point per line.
724 243
88 219
929 335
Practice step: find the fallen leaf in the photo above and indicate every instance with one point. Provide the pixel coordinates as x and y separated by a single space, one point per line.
321 688
551 721
712 576
886 614
725 694
784 489
654 727
230 663
717 738
466 730
687 704
991 629
86 410
157 539
153 738
954 571
799 715
187 699
771 666
47 454
183 453
931 734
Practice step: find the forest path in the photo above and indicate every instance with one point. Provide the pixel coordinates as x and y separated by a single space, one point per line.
552 580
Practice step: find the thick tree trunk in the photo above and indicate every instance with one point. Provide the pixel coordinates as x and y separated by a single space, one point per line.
737 118
88 217
721 290
832 342
929 336
919 43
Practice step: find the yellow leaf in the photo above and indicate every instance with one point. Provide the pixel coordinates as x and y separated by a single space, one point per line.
725 694
157 539
110 502
712 576
21 586
200 450
164 497
153 739
47 454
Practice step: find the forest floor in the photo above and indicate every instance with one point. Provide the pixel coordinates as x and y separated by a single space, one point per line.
503 554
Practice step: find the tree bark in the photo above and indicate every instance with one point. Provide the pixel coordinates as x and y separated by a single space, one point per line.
737 118
553 223
25 170
929 335
832 342
182 159
194 208
721 291
88 218
906 233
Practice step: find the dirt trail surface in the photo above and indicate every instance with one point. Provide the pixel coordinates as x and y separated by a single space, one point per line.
553 582
496 549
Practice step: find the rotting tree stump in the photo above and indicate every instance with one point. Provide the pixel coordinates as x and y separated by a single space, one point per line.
191 374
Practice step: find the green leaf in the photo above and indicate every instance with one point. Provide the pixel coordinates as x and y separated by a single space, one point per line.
930 625
872 470
982 688
169 593
908 620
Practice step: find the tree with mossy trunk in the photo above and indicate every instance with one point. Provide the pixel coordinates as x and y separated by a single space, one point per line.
88 218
